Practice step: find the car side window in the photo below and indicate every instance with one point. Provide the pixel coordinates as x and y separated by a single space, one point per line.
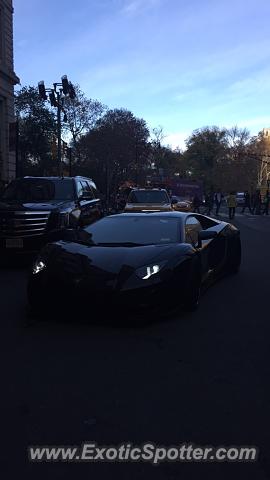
206 222
94 190
79 188
84 190
192 229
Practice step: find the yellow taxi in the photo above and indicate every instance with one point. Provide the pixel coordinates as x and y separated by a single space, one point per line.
148 200
181 204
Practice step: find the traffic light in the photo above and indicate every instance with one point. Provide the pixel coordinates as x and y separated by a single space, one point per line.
41 90
53 99
65 84
72 93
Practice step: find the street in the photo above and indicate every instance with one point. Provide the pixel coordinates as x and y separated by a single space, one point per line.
201 378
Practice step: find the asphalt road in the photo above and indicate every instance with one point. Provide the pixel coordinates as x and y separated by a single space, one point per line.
201 378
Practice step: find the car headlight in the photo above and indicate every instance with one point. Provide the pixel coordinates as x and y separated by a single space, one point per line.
149 270
38 266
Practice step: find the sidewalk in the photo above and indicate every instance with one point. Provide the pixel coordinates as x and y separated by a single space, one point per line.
243 215
223 213
260 223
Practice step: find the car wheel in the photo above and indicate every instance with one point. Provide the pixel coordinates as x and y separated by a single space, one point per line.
193 295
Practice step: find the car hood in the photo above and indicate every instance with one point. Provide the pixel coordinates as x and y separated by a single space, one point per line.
111 260
148 207
11 205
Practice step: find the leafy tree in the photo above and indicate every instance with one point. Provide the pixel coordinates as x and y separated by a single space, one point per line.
258 153
116 149
221 158
235 172
37 130
206 148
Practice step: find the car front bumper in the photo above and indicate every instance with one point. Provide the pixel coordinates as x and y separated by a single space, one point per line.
75 295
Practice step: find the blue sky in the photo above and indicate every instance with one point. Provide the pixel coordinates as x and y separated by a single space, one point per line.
181 64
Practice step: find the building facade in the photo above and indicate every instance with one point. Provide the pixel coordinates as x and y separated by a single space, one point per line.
264 170
7 81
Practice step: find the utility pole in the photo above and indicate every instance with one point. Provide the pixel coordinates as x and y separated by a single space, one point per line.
59 148
56 98
19 166
69 152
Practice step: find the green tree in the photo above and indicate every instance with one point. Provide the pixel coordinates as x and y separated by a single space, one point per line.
206 148
37 131
235 172
116 149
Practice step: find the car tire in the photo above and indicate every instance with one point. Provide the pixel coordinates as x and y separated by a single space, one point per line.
193 295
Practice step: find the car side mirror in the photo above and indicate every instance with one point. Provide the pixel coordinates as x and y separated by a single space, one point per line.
206 235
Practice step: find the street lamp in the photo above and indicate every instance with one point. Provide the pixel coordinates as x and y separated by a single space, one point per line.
57 95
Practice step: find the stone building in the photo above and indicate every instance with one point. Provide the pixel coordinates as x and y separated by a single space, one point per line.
264 169
7 81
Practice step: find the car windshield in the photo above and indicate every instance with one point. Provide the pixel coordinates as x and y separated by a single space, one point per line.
151 196
137 230
180 199
39 190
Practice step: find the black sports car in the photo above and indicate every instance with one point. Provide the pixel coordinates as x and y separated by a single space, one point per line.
157 260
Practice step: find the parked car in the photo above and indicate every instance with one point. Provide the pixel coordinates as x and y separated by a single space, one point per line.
148 200
34 210
181 204
155 261
240 199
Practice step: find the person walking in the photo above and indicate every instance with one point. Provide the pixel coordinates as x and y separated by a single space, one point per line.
218 200
247 203
196 204
232 205
209 203
266 202
257 203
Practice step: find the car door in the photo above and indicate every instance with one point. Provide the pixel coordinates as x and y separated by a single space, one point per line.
216 247
96 202
191 231
87 203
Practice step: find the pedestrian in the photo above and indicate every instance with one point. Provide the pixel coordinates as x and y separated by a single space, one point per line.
257 203
209 203
2 187
218 200
266 202
232 205
247 202
196 204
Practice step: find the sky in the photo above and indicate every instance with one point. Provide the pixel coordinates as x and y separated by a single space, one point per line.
179 64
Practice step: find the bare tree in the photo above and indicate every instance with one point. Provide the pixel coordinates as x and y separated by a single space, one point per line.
82 114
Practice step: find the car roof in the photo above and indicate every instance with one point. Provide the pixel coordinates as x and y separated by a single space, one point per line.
78 177
173 214
47 178
146 189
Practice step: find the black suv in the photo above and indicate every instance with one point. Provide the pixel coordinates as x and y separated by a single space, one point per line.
35 210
